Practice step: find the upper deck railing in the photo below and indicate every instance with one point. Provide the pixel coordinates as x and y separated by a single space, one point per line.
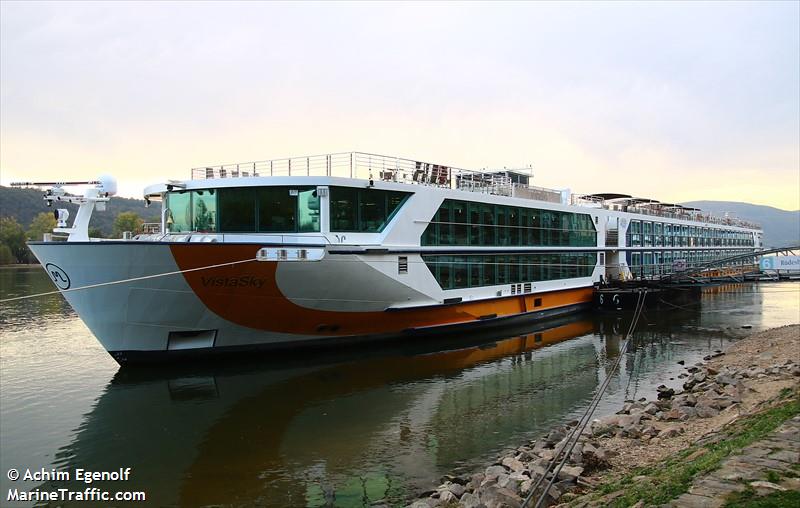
368 166
671 212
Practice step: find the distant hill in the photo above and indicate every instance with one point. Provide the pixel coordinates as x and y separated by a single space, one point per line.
25 204
781 227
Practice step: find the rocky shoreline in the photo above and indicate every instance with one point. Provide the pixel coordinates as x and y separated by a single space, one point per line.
715 392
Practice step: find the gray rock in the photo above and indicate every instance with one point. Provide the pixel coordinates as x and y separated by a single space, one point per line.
651 409
669 433
475 481
421 503
570 473
555 436
681 413
768 486
454 479
650 431
495 470
706 411
447 497
470 500
513 464
499 497
725 379
540 446
665 393
456 489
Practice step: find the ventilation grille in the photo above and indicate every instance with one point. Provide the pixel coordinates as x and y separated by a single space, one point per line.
402 264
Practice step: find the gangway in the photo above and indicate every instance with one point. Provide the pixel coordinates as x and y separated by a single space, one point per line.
696 271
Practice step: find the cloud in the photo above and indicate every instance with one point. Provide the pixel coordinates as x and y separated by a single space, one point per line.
595 95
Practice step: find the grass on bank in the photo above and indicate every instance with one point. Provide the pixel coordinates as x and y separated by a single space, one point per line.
673 476
749 499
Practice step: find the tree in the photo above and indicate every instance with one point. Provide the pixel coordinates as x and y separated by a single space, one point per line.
6 257
43 223
127 221
13 236
95 233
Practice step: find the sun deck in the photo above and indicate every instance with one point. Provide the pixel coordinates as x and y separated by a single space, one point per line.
646 206
366 166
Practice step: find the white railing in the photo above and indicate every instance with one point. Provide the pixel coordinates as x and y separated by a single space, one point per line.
368 166
672 213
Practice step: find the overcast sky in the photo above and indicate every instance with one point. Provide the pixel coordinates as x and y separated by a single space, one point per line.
671 101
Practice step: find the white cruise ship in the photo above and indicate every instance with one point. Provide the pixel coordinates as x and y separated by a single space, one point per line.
339 248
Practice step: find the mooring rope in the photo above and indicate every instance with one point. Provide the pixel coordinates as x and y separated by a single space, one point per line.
123 281
586 417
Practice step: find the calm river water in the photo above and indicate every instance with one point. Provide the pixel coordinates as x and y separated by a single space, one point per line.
343 431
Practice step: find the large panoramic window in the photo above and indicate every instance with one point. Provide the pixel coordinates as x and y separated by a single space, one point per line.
457 272
479 224
363 210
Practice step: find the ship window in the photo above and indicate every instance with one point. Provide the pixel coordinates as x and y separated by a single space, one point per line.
277 210
365 210
372 210
179 212
204 211
344 214
308 211
454 272
237 210
463 223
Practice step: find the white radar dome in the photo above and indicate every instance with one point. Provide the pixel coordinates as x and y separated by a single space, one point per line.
108 185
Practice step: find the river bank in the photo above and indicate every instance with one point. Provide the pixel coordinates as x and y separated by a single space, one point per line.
653 452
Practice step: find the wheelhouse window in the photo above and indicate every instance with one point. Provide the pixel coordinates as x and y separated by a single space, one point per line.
179 212
244 210
204 211
277 209
237 210
363 210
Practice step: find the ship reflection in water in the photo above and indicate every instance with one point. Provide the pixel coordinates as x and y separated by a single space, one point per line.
346 432
366 425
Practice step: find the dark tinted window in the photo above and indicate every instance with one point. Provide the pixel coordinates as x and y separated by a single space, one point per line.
277 209
237 210
365 210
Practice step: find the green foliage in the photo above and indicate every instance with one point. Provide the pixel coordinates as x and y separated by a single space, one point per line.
750 499
43 223
95 233
6 257
24 204
12 235
671 478
773 476
127 221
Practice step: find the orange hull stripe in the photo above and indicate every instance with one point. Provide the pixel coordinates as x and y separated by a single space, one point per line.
266 308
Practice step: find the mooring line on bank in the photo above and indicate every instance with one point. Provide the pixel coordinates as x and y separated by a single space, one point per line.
123 281
587 415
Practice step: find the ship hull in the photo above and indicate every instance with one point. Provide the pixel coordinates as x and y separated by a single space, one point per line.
216 299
